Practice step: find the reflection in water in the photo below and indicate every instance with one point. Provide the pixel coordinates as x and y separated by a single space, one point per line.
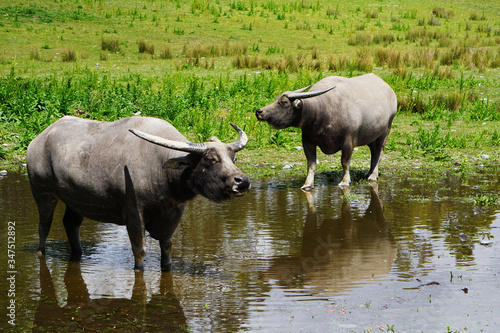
341 252
82 312
274 261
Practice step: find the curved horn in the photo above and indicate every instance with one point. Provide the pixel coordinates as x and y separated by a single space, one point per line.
301 95
197 148
242 140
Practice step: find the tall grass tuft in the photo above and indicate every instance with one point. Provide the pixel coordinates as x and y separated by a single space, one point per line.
35 53
413 104
383 38
360 39
391 57
364 60
145 47
371 13
111 44
166 53
433 21
451 101
69 55
474 16
333 12
453 55
443 72
442 13
425 58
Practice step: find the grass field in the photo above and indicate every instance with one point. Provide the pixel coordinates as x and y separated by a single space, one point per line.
200 64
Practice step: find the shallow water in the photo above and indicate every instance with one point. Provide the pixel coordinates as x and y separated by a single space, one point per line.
275 260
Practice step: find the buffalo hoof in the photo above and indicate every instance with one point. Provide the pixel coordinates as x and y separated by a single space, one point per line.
307 187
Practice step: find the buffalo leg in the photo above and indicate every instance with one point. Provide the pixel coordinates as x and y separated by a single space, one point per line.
72 222
166 249
376 148
346 161
310 152
135 223
137 238
169 221
46 205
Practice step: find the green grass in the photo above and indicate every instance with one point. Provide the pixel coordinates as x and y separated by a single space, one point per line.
272 30
201 64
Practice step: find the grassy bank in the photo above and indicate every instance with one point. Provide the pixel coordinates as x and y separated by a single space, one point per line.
201 64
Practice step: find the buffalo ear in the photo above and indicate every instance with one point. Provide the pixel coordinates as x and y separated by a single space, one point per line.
297 104
178 163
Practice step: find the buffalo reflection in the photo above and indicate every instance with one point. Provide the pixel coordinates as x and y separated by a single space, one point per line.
81 313
341 252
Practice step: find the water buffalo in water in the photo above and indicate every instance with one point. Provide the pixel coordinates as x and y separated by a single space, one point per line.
358 112
102 171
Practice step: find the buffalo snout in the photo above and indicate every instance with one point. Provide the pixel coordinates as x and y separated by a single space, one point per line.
259 114
241 185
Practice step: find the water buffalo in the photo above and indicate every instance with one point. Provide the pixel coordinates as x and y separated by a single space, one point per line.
102 171
358 112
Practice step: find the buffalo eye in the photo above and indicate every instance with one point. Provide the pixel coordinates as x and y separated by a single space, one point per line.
283 102
212 160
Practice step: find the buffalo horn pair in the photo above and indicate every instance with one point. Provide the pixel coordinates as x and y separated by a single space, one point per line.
196 148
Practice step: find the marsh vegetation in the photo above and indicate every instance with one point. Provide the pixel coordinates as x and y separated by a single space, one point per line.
200 64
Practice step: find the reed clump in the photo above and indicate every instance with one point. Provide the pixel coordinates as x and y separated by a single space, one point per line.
111 44
146 47
35 53
166 53
68 55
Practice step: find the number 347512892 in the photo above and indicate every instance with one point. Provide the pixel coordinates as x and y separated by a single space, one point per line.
11 244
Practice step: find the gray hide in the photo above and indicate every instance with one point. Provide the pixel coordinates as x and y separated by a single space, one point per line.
104 172
343 113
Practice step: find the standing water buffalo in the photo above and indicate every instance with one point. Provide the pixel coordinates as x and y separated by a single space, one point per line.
102 171
358 112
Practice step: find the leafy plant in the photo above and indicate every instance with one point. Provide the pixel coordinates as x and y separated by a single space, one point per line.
486 200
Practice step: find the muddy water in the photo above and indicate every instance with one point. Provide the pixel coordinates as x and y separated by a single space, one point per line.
275 260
